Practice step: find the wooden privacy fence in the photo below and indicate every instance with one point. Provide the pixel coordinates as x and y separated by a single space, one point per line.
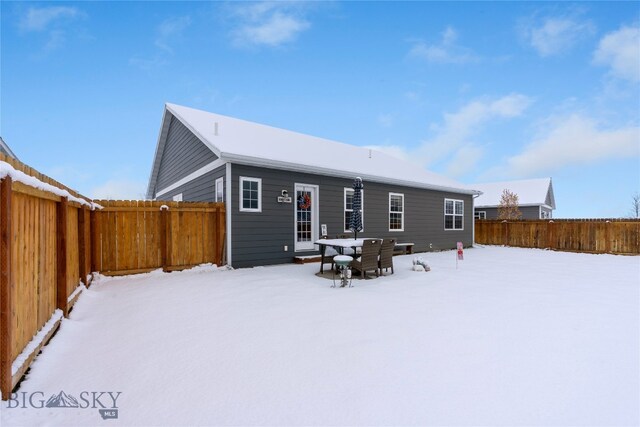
137 236
43 257
615 236
52 238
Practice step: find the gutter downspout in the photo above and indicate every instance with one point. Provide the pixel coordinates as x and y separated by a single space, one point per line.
228 210
473 211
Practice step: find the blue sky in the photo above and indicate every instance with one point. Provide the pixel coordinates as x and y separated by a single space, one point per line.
479 91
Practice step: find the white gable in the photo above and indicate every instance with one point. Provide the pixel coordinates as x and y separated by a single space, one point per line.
244 142
530 192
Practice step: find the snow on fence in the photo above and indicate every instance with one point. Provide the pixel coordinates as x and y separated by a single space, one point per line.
43 256
615 236
52 237
138 236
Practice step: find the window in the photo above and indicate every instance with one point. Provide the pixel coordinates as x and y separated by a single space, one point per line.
348 208
220 189
481 215
544 214
453 214
250 194
177 197
396 212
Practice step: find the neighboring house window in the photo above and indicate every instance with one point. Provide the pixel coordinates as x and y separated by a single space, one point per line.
177 197
250 194
481 214
220 190
348 208
396 212
453 214
544 214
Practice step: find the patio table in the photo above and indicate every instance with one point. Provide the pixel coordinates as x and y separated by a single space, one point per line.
339 245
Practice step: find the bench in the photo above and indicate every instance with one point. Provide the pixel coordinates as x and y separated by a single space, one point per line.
406 248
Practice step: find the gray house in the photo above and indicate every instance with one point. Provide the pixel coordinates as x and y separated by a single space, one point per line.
281 188
4 149
535 197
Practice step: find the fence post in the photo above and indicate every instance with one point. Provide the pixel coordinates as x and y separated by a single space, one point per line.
607 237
82 244
165 237
222 234
549 244
505 233
61 254
6 285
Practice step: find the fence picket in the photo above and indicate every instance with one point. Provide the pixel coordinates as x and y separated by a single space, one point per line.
616 236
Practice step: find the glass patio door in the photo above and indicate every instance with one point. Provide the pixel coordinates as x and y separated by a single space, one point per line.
306 222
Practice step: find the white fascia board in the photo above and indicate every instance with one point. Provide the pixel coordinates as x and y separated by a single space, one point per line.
156 160
294 167
193 130
197 174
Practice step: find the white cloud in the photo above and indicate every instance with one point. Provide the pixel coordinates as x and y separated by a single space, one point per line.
574 140
120 189
269 23
385 120
40 18
556 35
53 21
459 127
169 30
620 50
445 52
464 160
454 147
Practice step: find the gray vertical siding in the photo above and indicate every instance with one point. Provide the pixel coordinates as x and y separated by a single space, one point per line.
259 238
183 154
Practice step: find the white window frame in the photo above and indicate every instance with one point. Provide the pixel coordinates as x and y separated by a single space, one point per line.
454 215
219 182
177 197
401 213
478 214
344 200
241 200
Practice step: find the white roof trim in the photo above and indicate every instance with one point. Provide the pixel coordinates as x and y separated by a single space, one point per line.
197 174
205 126
193 130
296 167
6 148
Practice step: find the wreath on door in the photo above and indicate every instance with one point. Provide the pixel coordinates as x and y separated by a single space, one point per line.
304 201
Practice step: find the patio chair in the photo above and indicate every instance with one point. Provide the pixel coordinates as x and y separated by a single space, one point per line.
369 259
386 255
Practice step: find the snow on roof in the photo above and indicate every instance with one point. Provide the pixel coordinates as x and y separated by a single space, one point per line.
529 191
245 142
4 148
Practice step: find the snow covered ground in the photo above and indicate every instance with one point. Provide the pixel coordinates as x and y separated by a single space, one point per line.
512 337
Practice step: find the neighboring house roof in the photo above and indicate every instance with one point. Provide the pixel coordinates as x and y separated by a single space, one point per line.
4 148
531 192
243 142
